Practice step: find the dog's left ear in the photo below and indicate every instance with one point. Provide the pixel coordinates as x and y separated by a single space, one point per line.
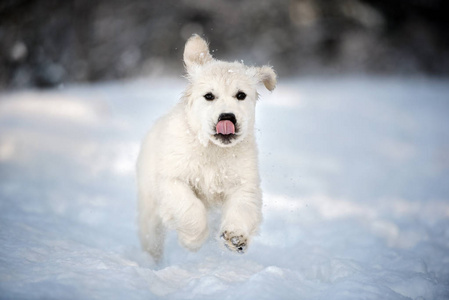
267 75
196 53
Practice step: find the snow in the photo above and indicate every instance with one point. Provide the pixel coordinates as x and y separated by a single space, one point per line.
354 172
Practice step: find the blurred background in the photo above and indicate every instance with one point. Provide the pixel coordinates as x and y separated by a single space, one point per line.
353 147
46 43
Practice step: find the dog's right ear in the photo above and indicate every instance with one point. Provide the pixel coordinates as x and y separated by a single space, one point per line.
196 53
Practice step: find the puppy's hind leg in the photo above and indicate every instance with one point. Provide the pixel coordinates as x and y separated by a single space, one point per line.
151 230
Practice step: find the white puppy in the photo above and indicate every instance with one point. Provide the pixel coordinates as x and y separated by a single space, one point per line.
203 154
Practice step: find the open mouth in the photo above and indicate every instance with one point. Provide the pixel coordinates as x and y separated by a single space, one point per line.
226 128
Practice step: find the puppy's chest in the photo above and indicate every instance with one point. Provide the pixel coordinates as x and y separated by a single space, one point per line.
212 178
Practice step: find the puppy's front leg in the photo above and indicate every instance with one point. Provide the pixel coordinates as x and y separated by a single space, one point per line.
182 210
242 214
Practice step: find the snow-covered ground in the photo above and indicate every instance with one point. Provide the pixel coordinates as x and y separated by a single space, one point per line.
355 173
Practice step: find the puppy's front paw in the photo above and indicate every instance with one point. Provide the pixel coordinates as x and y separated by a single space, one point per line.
234 241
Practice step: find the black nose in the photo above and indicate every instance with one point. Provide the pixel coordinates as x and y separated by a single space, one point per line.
227 116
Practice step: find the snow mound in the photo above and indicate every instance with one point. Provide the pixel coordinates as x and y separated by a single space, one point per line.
355 187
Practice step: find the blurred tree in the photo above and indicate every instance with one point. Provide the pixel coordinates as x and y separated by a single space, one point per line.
47 42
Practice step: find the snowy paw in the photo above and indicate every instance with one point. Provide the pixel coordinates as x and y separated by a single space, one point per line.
234 242
193 239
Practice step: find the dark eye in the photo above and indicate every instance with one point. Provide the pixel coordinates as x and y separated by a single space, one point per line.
240 96
209 97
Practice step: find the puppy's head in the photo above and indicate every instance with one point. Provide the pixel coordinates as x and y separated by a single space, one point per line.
221 96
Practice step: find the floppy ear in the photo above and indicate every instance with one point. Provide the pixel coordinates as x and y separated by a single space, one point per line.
267 75
196 52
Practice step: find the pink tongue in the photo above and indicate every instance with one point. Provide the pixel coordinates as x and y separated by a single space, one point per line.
225 127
